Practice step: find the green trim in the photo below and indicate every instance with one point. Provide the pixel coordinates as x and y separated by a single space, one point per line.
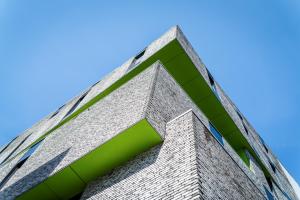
165 54
72 179
181 67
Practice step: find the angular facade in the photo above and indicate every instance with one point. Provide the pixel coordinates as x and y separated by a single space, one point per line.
157 127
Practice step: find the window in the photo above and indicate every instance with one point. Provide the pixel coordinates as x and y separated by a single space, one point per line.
136 60
76 104
30 151
11 153
20 163
286 195
269 194
272 165
245 128
139 55
270 183
266 148
242 119
239 114
11 173
96 83
216 133
56 112
212 83
264 144
8 144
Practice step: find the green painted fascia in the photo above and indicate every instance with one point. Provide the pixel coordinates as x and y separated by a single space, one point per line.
190 79
165 54
72 179
41 191
183 70
120 149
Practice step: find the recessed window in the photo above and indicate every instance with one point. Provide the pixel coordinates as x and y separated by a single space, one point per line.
286 195
273 167
15 149
10 174
20 163
76 104
242 119
270 183
8 144
245 128
212 83
264 144
266 148
96 83
56 112
211 79
239 114
269 194
139 55
30 151
216 133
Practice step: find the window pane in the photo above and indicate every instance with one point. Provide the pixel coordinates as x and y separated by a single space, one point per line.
216 133
30 151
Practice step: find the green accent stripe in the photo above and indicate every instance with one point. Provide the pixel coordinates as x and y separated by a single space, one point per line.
165 54
183 70
72 179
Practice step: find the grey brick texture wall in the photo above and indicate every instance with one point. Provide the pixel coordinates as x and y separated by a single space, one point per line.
189 164
113 114
180 168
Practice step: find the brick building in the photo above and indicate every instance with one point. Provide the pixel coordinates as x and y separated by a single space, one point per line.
157 127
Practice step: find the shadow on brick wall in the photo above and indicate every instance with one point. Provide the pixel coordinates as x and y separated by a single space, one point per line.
33 178
127 170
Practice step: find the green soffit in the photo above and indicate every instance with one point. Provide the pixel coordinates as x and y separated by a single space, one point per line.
72 179
180 66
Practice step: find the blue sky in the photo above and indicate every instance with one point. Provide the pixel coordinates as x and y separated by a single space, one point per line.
52 50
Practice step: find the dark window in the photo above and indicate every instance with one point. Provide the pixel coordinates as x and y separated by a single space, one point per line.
266 148
286 195
216 133
269 180
211 78
245 127
8 144
11 173
242 119
20 163
76 104
269 194
136 60
11 153
30 151
212 83
264 144
139 55
272 166
239 114
56 112
95 83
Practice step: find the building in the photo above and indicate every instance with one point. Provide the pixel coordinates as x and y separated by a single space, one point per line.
157 127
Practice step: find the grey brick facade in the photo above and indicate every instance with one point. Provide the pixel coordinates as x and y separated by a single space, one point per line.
194 160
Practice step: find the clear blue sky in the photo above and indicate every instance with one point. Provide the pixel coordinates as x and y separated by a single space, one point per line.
52 50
